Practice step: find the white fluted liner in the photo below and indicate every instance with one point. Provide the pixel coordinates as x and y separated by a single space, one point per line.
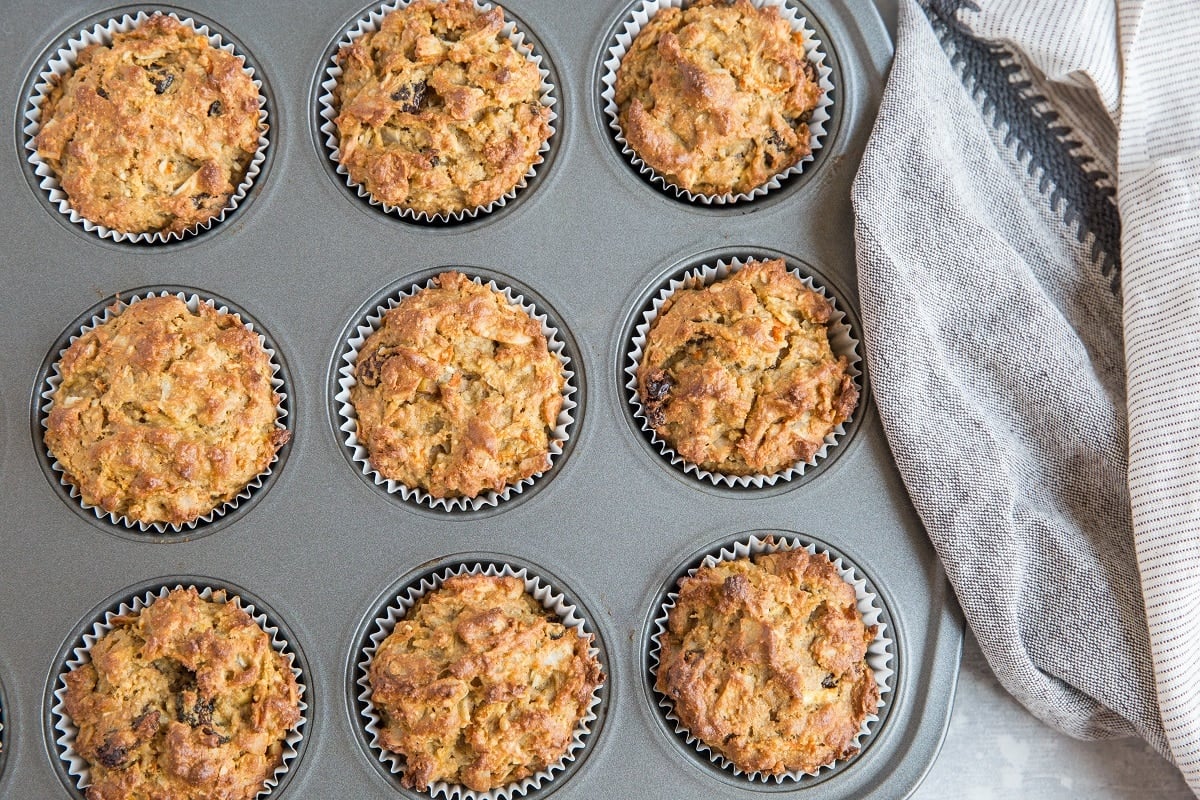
328 111
841 341
54 379
63 62
813 48
880 653
78 767
349 419
552 600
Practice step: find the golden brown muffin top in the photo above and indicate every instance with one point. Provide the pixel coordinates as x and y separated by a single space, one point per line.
480 686
739 377
764 660
457 392
186 700
152 133
438 111
164 414
716 97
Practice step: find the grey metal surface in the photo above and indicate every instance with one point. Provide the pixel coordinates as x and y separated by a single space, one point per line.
301 256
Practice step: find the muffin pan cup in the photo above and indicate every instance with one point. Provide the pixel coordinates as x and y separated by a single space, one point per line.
589 244
881 653
842 340
637 18
347 423
63 61
116 521
368 22
403 600
73 768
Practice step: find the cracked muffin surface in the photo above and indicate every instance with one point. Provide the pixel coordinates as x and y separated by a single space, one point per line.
164 414
185 699
739 376
438 112
457 392
764 660
479 685
716 97
153 132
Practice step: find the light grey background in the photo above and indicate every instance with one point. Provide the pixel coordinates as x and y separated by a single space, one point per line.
996 750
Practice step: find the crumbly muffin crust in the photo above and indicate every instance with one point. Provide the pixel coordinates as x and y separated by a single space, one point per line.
739 376
438 112
716 97
184 700
764 660
480 686
152 133
457 392
163 414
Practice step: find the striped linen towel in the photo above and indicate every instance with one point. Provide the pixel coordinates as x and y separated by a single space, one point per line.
1028 231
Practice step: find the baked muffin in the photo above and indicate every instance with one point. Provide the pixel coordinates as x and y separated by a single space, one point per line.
164 414
739 376
153 132
764 660
716 97
457 392
480 686
184 700
438 112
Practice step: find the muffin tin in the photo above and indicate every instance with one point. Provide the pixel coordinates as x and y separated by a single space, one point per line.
610 525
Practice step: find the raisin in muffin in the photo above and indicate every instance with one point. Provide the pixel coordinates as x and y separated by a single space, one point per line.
185 699
438 112
153 132
716 97
739 378
480 686
457 392
164 414
764 660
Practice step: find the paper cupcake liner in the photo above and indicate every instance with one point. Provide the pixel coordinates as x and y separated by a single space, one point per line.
77 766
64 61
54 379
813 48
369 23
349 418
841 340
382 627
880 653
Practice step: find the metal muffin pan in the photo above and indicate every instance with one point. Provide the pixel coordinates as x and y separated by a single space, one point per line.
612 522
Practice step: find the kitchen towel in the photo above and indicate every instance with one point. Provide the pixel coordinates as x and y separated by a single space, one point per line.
1028 237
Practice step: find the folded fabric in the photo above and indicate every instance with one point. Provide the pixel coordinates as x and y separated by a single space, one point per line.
1028 232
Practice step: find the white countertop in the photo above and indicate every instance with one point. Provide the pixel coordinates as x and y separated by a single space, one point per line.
996 750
